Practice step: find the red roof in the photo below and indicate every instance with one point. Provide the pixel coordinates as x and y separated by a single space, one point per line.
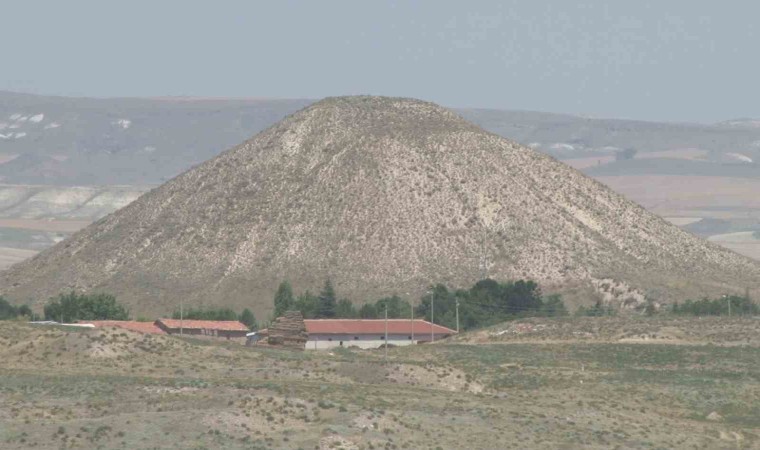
372 326
142 327
224 325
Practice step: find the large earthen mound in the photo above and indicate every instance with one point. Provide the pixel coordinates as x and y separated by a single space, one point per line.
382 195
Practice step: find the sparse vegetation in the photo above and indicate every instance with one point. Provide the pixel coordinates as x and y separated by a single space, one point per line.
598 310
590 382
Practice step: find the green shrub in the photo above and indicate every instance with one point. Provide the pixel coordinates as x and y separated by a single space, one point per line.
10 312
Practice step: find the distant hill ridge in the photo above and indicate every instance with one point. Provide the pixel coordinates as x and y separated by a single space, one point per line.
382 195
69 141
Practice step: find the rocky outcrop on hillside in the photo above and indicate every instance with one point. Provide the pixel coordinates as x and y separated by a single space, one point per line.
382 195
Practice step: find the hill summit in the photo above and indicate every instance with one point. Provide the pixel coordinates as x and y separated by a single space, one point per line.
382 195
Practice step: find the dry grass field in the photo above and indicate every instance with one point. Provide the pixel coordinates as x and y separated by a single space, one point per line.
741 242
666 195
591 161
63 226
10 256
595 383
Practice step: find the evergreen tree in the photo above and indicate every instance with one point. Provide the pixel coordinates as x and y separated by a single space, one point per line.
345 309
397 308
368 311
327 303
247 318
307 304
283 299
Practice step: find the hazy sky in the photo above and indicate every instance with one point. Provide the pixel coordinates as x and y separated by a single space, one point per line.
659 60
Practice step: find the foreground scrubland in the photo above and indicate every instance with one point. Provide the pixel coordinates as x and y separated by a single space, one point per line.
540 383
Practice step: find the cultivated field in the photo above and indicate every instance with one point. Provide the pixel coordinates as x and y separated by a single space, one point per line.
61 226
586 383
666 195
741 242
10 256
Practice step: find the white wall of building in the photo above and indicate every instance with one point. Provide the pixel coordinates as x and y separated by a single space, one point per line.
327 341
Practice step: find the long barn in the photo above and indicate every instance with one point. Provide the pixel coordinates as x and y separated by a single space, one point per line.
370 333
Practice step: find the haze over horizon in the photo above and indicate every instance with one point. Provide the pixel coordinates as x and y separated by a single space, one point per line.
657 61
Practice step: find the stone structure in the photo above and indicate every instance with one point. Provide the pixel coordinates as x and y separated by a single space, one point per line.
288 330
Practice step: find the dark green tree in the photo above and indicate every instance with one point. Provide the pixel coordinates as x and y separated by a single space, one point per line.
25 311
247 318
368 311
206 314
283 299
7 311
327 302
72 307
345 309
307 304
397 307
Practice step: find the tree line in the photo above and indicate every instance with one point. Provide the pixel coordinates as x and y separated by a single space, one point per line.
246 317
730 304
487 302
72 307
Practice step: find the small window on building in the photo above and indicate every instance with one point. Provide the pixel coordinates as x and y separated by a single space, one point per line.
341 343
329 339
410 338
356 338
382 338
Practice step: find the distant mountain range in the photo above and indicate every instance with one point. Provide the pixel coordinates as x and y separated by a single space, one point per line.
63 141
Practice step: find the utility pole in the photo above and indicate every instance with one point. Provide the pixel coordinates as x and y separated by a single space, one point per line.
457 315
483 263
411 306
432 310
386 333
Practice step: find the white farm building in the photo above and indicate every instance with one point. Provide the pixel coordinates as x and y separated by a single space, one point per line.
370 333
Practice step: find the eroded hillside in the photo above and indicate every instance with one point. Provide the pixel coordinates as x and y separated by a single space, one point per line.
383 195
